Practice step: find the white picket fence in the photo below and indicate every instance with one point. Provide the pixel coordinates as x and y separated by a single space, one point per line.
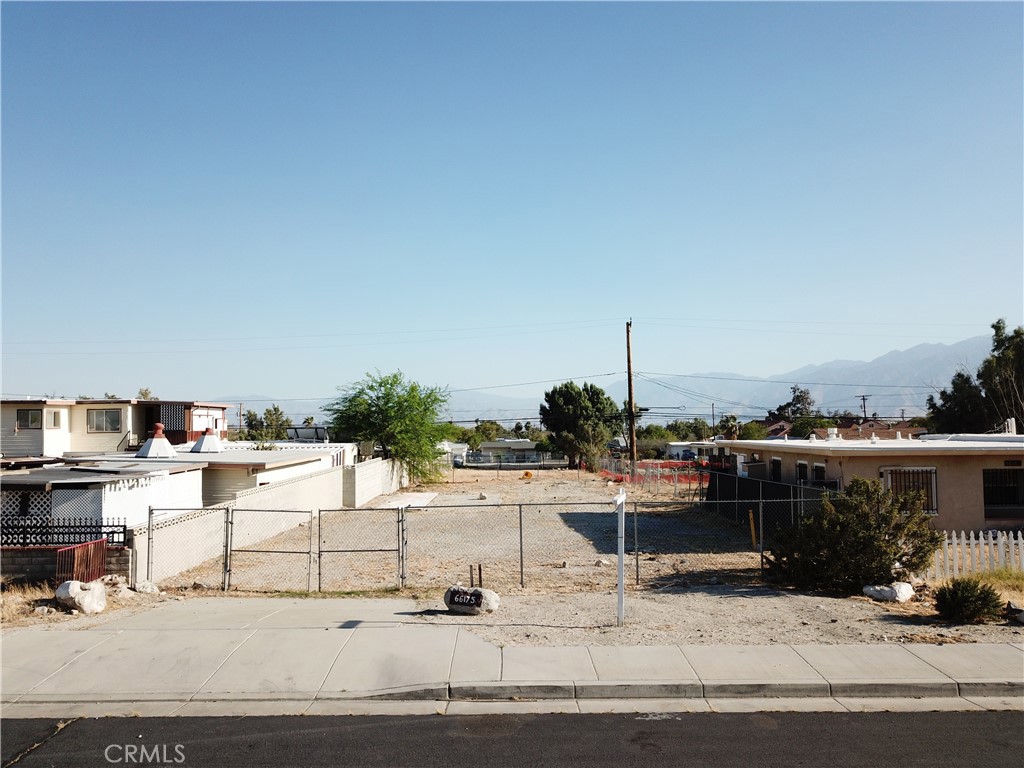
964 554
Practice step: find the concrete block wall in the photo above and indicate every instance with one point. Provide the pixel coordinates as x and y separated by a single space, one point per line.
185 539
39 564
369 479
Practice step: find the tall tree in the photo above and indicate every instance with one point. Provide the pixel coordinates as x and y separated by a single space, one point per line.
984 402
581 420
800 404
145 393
275 423
400 416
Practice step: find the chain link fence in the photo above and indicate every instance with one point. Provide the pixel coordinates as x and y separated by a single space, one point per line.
539 547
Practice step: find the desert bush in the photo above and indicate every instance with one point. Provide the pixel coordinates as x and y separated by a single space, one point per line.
867 535
968 601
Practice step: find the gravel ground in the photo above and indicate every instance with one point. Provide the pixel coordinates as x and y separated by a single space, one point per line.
699 612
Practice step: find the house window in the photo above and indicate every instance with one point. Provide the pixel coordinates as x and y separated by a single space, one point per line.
904 480
30 418
776 470
1003 493
819 473
801 471
104 420
53 419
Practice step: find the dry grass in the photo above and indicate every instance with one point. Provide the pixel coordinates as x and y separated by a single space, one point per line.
19 600
1008 582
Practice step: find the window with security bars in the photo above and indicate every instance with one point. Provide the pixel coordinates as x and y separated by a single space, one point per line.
1003 493
906 480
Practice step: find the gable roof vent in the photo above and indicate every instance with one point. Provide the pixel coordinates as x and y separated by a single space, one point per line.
208 443
157 447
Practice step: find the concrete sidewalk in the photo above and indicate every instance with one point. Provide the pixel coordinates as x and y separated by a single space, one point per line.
331 656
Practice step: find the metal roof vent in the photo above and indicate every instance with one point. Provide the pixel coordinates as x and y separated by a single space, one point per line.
157 447
208 443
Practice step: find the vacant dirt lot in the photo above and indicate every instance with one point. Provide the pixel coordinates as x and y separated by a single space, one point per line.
702 609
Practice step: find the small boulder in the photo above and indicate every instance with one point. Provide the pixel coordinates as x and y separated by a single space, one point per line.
474 601
147 587
897 592
87 598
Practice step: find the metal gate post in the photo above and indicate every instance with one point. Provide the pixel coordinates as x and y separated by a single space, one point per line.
149 546
636 546
226 563
405 546
522 570
760 535
320 552
398 534
309 561
230 543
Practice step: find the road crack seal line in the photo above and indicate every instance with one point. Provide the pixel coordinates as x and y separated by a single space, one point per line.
61 725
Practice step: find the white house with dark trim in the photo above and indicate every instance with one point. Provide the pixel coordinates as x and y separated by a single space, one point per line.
57 427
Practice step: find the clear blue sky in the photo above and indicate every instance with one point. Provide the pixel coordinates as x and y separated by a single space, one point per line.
278 198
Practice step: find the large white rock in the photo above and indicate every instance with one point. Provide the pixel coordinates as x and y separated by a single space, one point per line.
147 587
87 598
474 601
897 592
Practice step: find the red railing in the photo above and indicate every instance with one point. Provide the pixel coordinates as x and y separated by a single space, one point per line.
82 562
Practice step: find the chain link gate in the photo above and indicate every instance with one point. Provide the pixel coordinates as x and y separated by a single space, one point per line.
269 550
349 549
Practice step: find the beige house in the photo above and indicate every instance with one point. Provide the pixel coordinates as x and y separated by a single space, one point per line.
57 427
970 482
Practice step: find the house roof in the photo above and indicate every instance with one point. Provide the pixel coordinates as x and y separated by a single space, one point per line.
112 401
508 443
925 445
230 457
46 478
37 401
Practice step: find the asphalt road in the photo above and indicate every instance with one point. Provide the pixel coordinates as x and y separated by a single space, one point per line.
834 740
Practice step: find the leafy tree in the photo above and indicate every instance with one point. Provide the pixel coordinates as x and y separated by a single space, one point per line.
655 432
1001 375
728 426
581 420
696 429
803 425
800 404
253 422
309 421
398 415
982 403
272 425
753 430
863 536
145 393
110 396
490 430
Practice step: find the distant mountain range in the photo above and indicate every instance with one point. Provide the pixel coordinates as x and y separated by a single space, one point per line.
897 383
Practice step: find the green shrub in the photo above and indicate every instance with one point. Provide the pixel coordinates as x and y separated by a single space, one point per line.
968 601
867 535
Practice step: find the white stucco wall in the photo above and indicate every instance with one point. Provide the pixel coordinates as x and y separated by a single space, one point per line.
131 498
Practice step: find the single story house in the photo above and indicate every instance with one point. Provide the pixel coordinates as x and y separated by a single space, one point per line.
970 482
57 427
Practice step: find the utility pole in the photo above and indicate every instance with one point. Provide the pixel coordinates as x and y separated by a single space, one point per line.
864 405
632 402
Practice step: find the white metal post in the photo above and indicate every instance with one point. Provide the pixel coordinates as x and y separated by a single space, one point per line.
620 502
